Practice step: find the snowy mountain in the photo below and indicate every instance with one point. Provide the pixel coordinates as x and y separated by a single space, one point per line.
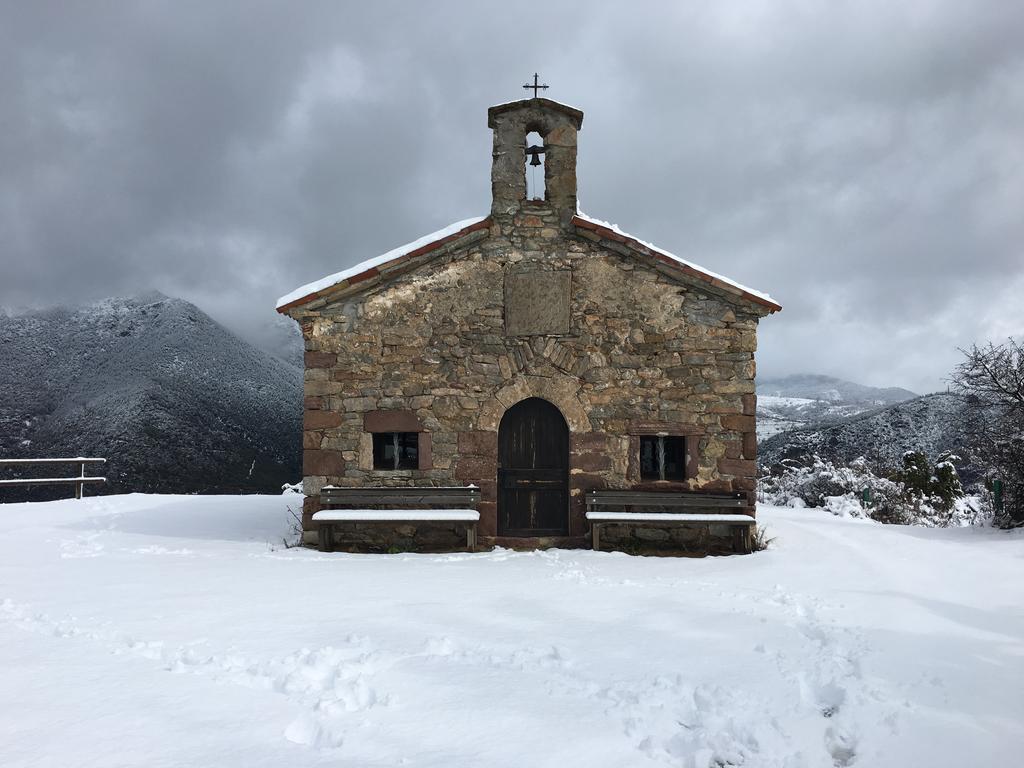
828 388
931 423
809 400
175 401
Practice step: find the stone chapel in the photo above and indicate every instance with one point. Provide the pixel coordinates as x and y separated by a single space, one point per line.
535 352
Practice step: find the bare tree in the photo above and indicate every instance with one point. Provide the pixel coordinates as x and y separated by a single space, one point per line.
992 379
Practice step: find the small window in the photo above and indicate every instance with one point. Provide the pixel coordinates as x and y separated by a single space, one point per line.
662 457
396 450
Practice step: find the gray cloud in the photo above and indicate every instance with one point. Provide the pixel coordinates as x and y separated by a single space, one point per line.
862 161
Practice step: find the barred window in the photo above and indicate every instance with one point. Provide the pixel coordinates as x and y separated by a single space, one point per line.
396 450
663 457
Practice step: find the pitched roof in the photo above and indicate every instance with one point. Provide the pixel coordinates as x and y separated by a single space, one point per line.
574 114
586 225
372 267
612 233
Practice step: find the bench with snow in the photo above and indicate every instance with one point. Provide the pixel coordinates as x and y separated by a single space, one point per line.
403 505
661 509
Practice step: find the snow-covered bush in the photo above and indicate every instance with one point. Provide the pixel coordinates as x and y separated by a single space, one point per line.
836 488
934 495
918 494
940 485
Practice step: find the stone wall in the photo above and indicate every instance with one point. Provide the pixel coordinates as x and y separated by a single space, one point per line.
400 537
558 126
644 352
696 541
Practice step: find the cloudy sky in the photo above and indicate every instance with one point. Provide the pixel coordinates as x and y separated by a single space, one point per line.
862 162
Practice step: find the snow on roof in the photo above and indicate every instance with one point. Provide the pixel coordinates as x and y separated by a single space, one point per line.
310 290
543 98
683 262
396 253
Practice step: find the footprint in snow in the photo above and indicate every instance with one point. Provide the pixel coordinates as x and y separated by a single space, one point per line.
330 683
86 545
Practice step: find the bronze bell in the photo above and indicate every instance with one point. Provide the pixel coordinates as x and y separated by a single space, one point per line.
534 153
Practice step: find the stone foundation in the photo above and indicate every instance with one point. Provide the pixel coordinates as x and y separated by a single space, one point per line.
404 537
696 541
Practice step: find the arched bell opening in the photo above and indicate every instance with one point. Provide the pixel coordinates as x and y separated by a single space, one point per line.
536 167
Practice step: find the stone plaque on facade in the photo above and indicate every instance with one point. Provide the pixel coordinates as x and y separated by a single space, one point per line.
536 303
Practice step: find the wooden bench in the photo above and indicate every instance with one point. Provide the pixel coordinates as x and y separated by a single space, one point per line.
403 505
684 509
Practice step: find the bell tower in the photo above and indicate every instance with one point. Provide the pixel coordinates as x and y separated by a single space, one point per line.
515 158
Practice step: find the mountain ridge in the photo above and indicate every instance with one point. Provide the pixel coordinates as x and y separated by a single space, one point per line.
931 423
803 399
818 386
175 401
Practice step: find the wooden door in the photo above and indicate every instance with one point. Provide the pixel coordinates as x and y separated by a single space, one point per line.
533 470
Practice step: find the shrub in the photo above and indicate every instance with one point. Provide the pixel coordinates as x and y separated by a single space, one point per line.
836 488
932 494
917 494
760 540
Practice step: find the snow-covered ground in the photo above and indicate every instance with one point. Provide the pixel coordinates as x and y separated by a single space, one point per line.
777 401
777 413
164 631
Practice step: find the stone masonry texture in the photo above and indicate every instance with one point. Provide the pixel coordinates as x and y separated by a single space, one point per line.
427 349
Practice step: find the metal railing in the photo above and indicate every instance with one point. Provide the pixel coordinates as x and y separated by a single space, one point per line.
78 482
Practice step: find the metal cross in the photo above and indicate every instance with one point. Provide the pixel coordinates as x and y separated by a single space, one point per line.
535 85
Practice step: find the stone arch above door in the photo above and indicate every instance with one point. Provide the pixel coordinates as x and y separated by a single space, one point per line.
561 391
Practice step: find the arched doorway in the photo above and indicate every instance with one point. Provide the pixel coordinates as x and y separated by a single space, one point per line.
533 470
